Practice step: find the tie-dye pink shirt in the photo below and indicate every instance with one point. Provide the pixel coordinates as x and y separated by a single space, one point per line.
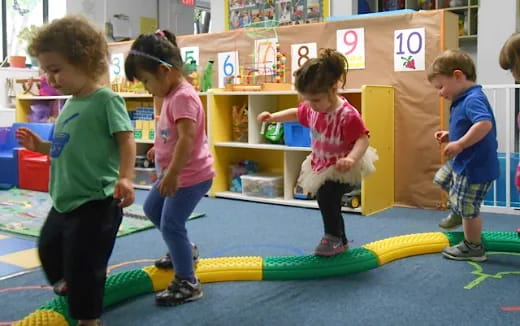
184 103
333 133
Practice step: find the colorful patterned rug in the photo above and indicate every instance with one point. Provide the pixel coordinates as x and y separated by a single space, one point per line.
24 211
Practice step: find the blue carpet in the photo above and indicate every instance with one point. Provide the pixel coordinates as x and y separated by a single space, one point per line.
421 290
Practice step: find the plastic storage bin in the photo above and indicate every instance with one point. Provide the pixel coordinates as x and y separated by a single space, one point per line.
262 185
296 135
501 183
34 170
144 176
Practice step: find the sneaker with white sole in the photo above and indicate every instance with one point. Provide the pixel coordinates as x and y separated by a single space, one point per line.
330 245
466 251
451 221
179 292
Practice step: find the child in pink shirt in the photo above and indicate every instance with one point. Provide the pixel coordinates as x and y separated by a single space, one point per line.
181 154
341 155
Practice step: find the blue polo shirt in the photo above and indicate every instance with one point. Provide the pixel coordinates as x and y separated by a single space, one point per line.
479 162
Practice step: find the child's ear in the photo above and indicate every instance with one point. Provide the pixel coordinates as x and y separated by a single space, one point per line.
458 74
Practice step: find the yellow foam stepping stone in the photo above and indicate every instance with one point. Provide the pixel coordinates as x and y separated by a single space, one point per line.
390 249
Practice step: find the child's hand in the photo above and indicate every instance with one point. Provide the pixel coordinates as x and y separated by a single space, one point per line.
124 191
150 155
28 139
453 148
441 136
169 185
264 117
344 164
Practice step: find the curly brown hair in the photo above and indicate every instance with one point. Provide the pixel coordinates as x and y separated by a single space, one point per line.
78 40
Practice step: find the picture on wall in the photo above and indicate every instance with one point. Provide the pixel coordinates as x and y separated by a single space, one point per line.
244 13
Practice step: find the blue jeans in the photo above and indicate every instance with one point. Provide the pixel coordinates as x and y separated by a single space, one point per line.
169 214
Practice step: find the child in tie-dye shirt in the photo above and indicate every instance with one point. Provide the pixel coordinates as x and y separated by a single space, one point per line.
341 155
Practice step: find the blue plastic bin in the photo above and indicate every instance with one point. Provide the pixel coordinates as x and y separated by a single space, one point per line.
501 183
296 135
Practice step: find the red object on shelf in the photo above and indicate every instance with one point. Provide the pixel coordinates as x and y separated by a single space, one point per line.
188 2
33 170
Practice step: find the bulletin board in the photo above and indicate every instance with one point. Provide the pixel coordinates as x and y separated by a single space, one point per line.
241 13
396 51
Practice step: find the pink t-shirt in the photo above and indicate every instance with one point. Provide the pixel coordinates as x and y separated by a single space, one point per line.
184 103
333 133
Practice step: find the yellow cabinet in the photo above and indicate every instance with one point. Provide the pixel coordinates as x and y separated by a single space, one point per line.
376 104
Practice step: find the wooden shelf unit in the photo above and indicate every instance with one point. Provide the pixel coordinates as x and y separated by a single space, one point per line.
376 103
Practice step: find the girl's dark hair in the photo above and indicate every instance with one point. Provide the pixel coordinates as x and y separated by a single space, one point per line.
79 41
149 51
319 75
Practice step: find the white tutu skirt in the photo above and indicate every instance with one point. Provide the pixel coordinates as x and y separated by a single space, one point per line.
311 181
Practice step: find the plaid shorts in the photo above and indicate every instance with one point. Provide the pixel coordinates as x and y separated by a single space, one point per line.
465 198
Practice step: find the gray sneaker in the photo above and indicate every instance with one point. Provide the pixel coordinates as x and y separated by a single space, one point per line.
165 262
451 221
329 246
465 251
179 292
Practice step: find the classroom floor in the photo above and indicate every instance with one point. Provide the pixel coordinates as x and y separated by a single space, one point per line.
17 255
418 290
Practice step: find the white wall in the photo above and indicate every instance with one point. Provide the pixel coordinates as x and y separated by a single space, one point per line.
495 24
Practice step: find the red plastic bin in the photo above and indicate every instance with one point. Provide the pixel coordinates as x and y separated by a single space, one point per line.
33 170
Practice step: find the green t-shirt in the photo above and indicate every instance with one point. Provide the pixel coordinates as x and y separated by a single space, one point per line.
84 152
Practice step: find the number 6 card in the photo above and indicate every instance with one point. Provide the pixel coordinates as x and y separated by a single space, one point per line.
351 43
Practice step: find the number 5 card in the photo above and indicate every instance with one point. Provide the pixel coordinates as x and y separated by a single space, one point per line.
409 45
351 43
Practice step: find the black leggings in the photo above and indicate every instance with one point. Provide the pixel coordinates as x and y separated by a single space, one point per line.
329 200
76 246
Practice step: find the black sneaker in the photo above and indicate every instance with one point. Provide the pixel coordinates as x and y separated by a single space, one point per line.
165 262
179 292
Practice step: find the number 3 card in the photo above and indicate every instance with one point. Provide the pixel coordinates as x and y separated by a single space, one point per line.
351 43
409 45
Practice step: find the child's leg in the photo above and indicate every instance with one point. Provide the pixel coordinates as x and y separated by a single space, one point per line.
473 230
329 201
444 179
50 246
89 236
176 211
153 205
466 200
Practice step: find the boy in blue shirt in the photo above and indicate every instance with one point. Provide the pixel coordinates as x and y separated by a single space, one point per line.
471 147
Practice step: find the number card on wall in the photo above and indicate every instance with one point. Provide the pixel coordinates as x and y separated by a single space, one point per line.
265 55
227 67
117 61
190 53
351 43
300 53
409 49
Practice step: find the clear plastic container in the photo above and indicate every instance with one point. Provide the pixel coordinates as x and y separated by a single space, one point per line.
262 185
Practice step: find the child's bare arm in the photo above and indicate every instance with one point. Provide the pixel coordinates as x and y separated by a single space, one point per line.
360 146
475 134
124 189
287 115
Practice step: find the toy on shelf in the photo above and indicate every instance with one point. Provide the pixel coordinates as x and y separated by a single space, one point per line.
352 199
142 119
207 77
273 132
191 74
239 123
239 169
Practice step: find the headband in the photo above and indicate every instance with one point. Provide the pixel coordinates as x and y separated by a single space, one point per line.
149 56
